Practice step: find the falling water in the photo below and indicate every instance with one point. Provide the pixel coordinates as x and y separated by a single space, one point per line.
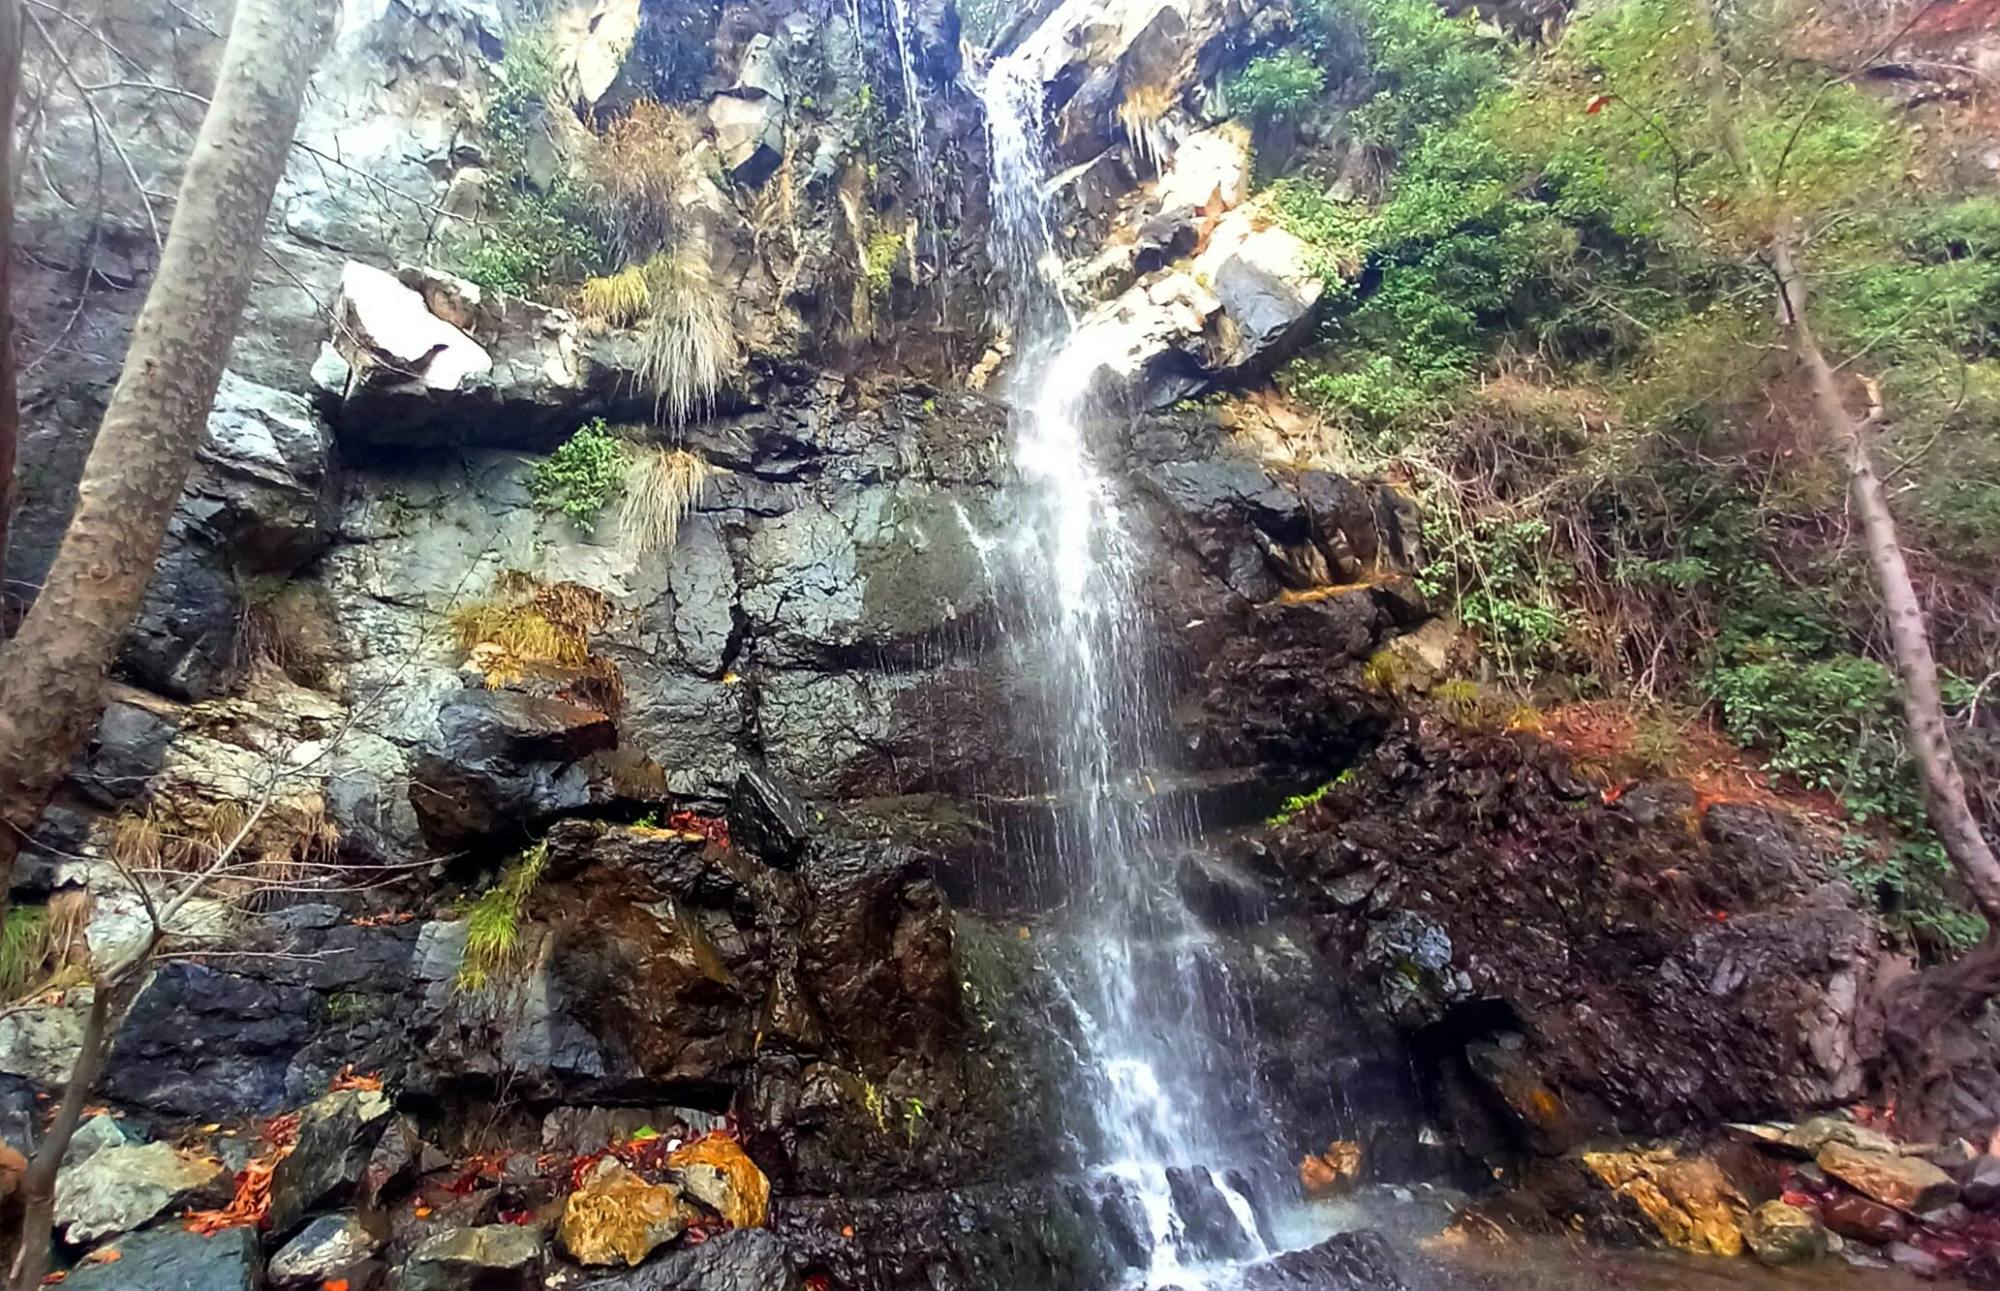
1145 972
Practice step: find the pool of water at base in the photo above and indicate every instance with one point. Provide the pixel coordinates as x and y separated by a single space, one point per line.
1414 1221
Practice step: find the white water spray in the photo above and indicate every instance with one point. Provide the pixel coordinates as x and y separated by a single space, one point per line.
1145 970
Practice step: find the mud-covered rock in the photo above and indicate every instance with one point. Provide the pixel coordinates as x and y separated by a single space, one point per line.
1779 1233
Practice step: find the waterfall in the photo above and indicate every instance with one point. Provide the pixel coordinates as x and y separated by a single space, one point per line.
1145 976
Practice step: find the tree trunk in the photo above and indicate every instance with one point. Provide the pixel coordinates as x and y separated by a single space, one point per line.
38 1188
1924 1015
1948 809
10 403
52 673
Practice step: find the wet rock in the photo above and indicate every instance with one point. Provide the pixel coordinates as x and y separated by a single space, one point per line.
1981 1189
1409 962
715 1171
335 1137
1332 1174
201 1043
1910 1184
769 819
167 1259
743 1260
125 752
93 1136
1210 1229
1689 1202
1358 1261
1855 1216
495 1257
1778 1233
326 1249
40 1043
116 1189
502 758
1912 1259
390 338
1264 279
616 1217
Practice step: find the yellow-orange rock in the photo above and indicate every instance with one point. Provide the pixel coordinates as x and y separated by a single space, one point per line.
1333 1174
718 1173
1689 1202
617 1217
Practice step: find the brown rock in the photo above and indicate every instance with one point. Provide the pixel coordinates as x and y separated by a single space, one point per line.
1334 1174
1857 1217
616 1217
717 1172
1910 1184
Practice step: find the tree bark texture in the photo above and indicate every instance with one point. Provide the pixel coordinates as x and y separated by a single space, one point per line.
10 402
52 673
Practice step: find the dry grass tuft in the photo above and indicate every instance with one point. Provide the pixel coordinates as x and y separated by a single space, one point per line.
621 299
661 486
691 342
529 623
1143 115
637 170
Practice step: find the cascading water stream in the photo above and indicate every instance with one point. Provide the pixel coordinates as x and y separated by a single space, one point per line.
1144 974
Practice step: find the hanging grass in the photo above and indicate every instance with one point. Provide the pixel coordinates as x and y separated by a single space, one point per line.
493 923
661 486
689 346
636 172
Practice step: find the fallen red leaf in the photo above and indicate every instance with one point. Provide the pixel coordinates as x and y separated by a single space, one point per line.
348 1080
1597 104
103 1255
334 1284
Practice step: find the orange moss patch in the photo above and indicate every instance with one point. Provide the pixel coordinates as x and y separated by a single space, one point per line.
745 1195
1601 737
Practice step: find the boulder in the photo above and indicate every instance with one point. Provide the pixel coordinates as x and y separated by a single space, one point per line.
125 752
1210 1228
1981 1189
766 817
168 1259
749 133
616 1217
495 1257
1358 1261
501 759
1268 288
1332 1174
335 1137
1779 1233
1855 1216
1408 959
116 1189
1689 1202
391 339
324 1250
1911 1184
1809 1136
748 1259
717 1172
93 1136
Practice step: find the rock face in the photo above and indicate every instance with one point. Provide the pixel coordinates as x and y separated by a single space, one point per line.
1580 968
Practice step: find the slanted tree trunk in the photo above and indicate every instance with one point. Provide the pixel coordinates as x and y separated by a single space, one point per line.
1919 1010
10 403
52 673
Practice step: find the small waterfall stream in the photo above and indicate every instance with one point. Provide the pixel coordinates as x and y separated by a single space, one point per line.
1145 976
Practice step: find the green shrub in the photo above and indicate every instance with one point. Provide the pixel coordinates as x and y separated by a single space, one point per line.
583 475
532 236
1277 87
1429 66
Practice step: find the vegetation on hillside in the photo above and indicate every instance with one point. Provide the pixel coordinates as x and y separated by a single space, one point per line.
1554 321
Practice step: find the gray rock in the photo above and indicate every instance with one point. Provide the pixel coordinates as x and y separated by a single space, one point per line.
40 1043
336 1135
1409 962
496 1257
324 1249
750 134
93 1136
749 1259
168 1259
1981 1189
124 754
201 1043
116 1189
